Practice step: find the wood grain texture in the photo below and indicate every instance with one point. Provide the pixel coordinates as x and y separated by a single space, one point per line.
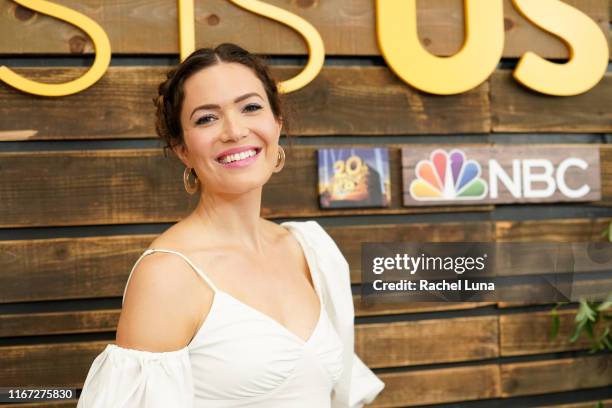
340 101
71 403
606 403
350 239
605 157
96 267
429 341
36 324
53 364
514 108
380 309
437 386
346 26
529 333
94 321
564 374
556 230
141 185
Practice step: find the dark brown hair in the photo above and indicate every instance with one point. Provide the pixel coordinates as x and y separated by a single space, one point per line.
171 92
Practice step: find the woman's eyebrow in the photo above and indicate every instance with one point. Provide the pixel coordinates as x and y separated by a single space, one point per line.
213 106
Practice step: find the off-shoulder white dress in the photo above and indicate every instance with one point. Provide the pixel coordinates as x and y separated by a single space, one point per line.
239 357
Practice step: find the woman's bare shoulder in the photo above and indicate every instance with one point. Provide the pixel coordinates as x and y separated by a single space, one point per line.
157 315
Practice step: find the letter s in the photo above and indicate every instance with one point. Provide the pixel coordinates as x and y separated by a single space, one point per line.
101 45
587 45
316 50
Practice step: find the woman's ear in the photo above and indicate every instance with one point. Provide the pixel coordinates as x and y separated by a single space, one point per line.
180 149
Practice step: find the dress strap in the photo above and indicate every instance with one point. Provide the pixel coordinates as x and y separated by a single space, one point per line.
151 250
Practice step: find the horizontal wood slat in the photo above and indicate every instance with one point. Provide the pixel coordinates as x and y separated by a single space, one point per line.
363 309
350 238
412 342
605 158
555 230
346 26
95 267
64 364
340 101
607 403
427 341
67 364
90 321
445 385
45 323
540 377
141 185
515 108
71 403
529 333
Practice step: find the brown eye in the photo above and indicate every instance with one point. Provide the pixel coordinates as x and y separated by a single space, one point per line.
252 107
204 120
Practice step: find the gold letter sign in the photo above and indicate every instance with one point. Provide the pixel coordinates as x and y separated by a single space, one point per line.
316 50
396 26
586 43
97 70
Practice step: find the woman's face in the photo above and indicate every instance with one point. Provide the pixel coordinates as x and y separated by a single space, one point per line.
226 107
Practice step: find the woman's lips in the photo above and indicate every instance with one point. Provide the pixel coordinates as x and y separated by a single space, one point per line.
242 162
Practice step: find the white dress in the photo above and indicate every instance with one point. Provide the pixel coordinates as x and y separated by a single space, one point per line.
240 357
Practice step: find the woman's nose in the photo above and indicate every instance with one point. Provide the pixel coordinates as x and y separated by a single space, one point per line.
234 129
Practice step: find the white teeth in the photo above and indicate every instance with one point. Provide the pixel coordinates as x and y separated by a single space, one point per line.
237 156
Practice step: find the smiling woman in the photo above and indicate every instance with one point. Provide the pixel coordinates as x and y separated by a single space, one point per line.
267 318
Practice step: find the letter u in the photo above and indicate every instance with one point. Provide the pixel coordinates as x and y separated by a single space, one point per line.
396 27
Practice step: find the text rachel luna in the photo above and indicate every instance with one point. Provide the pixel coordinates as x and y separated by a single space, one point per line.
423 284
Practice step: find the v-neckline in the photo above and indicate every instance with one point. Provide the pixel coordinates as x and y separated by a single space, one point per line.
216 291
315 284
276 322
316 287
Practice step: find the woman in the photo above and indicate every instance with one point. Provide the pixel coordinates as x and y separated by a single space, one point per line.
266 320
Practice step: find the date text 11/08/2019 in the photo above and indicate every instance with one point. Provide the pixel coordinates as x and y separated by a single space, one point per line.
423 284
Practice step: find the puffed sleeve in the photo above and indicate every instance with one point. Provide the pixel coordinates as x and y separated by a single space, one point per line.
126 378
365 385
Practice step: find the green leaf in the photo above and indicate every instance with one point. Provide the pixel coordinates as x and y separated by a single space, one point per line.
554 332
577 331
607 341
556 322
606 304
607 232
589 329
585 312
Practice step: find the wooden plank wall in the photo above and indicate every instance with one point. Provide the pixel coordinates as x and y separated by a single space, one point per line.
79 204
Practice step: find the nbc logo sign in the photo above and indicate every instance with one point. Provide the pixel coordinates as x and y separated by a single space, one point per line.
500 174
448 177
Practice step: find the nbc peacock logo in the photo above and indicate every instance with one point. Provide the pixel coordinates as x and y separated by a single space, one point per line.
448 176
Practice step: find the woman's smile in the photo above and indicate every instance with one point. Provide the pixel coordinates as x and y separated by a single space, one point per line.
242 159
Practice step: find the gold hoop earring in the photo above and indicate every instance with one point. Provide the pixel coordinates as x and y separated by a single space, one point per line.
190 188
280 162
